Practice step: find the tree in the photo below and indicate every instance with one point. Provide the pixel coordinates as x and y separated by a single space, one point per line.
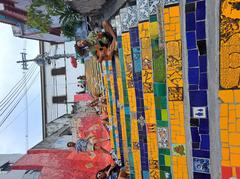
41 11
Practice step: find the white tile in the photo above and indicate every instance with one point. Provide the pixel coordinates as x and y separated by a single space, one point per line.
143 10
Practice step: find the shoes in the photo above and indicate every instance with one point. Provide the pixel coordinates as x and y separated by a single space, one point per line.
114 157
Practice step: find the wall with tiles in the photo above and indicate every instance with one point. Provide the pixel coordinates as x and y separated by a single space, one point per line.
229 93
172 26
159 99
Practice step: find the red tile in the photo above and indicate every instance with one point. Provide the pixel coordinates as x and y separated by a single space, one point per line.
226 172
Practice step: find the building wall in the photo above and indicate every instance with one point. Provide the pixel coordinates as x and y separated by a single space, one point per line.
56 85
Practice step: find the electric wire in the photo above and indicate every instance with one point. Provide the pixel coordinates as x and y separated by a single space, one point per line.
3 101
19 114
19 100
17 92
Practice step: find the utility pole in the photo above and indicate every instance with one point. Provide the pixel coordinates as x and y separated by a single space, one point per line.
25 68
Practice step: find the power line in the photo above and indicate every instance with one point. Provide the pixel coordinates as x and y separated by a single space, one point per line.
2 102
16 93
19 114
15 105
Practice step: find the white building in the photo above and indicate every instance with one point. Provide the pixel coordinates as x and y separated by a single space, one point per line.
59 83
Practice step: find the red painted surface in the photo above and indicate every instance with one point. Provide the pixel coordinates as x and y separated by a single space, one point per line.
67 164
82 97
226 172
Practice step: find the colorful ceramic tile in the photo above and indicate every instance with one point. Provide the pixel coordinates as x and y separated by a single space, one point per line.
143 10
153 5
162 134
201 165
132 16
118 25
124 19
170 2
179 149
113 23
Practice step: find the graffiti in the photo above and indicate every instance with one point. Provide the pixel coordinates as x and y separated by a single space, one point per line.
175 94
229 44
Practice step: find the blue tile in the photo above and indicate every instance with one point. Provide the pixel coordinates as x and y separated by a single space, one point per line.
203 81
201 175
191 40
205 144
203 63
190 1
193 87
193 76
203 131
194 134
198 98
201 153
190 21
201 31
204 124
201 10
192 58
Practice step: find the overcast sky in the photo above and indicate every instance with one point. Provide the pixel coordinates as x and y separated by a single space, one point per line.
12 138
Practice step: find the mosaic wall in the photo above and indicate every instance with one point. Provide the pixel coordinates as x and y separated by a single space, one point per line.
198 86
175 89
229 94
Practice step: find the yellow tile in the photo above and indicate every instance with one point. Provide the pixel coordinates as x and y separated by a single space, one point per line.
234 172
237 96
226 96
226 163
232 116
238 111
234 139
235 159
224 110
174 11
224 135
232 128
225 153
235 150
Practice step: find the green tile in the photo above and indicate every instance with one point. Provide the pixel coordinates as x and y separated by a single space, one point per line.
162 123
164 114
166 169
164 151
167 160
157 102
161 160
153 18
163 102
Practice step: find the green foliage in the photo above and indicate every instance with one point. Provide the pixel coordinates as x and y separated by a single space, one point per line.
70 19
41 11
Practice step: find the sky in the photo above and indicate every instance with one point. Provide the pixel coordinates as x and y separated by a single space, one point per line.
12 134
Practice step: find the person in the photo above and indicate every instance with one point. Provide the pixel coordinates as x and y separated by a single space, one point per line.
100 44
112 171
82 77
88 144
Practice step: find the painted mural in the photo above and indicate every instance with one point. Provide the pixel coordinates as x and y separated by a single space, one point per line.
229 94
